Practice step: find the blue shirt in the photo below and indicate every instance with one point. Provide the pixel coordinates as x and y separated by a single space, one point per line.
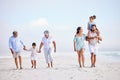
15 44
90 25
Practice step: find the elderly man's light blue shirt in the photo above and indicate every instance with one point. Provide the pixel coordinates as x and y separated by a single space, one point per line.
15 44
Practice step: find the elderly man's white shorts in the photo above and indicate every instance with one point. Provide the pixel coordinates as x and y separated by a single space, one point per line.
16 54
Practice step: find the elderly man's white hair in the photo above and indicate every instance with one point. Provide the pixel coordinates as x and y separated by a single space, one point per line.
14 32
46 32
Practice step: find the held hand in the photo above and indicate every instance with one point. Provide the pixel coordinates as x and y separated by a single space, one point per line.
24 48
39 51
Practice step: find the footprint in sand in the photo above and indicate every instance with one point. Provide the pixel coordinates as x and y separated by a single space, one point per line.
56 68
71 77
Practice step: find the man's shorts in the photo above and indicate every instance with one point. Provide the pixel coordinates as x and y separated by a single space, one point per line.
16 54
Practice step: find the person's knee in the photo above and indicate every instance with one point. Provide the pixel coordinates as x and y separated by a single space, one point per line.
79 54
19 57
82 54
82 50
15 59
95 56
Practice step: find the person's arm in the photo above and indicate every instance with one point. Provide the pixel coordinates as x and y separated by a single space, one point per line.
75 46
24 47
11 51
41 45
37 51
88 26
54 44
74 43
98 33
10 46
100 38
28 49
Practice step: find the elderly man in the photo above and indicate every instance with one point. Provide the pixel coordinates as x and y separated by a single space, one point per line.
16 46
48 43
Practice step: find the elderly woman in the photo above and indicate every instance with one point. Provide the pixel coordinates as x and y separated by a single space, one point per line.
48 43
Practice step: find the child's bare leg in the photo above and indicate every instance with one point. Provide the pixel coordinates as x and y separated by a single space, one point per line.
32 63
16 63
35 64
20 62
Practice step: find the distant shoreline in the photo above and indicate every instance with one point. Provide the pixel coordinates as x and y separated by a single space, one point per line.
110 56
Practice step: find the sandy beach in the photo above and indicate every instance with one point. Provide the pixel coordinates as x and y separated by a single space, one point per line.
65 68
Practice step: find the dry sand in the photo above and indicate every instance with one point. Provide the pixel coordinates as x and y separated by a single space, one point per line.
65 68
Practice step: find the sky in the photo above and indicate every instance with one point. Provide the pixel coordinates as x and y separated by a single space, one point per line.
61 17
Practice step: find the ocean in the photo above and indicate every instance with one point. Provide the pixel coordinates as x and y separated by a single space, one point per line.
105 55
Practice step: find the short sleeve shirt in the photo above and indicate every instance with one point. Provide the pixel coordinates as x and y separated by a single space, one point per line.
79 42
48 42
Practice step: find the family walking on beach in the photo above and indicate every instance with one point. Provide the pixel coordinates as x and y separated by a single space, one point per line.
16 45
93 37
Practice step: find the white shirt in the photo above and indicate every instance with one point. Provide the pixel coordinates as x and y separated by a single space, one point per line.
95 40
15 44
34 51
47 42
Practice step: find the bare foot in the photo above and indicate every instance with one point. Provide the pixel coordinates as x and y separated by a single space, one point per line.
31 66
92 66
34 67
48 65
80 66
52 66
21 68
83 65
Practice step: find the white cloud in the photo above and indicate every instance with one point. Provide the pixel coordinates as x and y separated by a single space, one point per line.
39 22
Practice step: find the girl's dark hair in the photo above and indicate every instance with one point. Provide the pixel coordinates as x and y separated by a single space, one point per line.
33 44
78 29
94 16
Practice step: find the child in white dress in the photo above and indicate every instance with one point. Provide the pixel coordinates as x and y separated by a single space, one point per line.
34 52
